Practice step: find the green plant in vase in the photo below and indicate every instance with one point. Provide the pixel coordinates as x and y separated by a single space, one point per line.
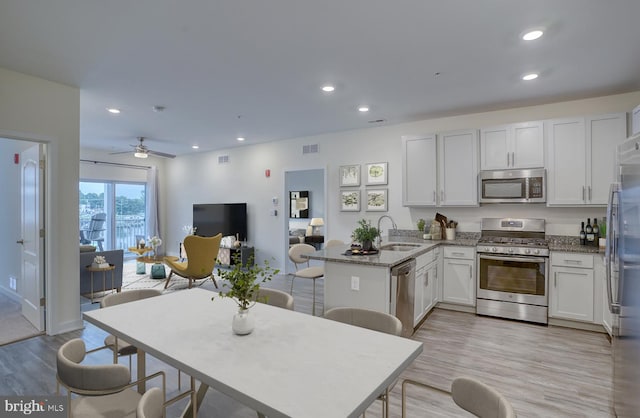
421 224
242 284
365 234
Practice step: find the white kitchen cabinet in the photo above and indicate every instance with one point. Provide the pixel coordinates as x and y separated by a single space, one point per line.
635 120
571 284
419 170
458 168
514 146
426 284
459 281
581 158
440 170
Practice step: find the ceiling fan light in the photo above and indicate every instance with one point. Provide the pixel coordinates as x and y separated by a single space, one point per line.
139 154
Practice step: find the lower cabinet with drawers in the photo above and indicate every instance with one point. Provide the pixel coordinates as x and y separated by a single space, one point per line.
573 293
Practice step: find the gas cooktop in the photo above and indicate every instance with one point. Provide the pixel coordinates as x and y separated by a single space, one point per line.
513 237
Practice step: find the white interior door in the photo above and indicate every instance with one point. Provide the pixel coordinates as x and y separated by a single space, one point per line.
32 283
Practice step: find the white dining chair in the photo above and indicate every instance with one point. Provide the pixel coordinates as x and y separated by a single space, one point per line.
275 297
105 390
373 320
310 272
471 395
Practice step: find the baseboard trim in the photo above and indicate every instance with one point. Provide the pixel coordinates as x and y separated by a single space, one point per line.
11 294
577 325
63 327
454 307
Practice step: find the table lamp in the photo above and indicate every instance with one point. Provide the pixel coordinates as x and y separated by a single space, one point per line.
315 222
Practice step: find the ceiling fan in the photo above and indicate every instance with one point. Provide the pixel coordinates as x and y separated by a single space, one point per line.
141 151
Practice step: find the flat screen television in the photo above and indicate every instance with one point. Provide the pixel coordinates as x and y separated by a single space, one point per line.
226 218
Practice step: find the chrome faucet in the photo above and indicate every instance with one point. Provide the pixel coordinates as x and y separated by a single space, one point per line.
393 224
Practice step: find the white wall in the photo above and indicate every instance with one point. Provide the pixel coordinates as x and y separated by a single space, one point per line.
199 177
35 109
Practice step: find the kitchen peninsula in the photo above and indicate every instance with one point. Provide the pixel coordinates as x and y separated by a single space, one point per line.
380 282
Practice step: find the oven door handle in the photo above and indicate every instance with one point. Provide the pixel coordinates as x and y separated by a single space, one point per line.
538 260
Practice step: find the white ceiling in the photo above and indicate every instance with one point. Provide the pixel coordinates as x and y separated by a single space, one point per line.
228 68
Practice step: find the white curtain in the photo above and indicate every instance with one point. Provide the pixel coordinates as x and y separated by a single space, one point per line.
153 220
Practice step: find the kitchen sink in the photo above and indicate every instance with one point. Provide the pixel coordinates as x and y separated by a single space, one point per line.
399 247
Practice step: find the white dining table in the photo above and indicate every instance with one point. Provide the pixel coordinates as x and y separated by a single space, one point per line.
291 365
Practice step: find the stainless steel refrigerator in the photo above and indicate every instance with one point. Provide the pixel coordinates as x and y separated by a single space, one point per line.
623 278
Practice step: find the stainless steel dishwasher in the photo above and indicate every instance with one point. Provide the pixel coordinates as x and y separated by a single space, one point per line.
403 278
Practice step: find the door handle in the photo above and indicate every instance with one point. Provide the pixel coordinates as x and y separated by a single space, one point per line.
20 241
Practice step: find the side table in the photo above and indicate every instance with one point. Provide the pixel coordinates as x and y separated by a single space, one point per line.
140 266
104 271
157 268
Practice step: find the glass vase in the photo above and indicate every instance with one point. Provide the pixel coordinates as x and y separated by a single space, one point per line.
243 322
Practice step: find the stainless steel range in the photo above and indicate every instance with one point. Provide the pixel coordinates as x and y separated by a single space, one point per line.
513 259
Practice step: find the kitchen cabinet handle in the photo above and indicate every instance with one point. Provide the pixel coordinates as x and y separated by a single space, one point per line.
426 280
458 254
513 159
434 195
573 261
555 279
441 196
583 197
470 272
508 160
589 193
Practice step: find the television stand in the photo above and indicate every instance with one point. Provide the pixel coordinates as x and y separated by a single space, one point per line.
227 254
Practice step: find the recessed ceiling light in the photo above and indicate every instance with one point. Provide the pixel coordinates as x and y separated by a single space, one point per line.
530 76
195 146
328 88
240 138
532 35
113 110
363 108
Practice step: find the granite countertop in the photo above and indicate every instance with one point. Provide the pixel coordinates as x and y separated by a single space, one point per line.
386 258
570 244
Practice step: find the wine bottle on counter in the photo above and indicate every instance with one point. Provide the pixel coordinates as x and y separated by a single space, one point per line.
596 232
589 232
583 234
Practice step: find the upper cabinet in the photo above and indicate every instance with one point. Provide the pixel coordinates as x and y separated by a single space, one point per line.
519 145
419 170
440 170
581 158
458 168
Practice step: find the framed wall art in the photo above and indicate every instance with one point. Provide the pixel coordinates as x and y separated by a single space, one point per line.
350 200
299 202
350 175
376 174
376 200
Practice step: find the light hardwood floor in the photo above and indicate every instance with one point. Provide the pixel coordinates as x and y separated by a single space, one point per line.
543 371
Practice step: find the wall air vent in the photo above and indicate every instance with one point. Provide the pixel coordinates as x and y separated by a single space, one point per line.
223 159
310 149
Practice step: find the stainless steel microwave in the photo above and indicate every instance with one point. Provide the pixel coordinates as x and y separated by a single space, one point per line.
513 186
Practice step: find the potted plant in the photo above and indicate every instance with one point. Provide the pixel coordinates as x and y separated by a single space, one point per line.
365 234
243 284
421 224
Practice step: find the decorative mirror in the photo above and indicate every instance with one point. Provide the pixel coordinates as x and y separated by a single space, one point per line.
299 204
